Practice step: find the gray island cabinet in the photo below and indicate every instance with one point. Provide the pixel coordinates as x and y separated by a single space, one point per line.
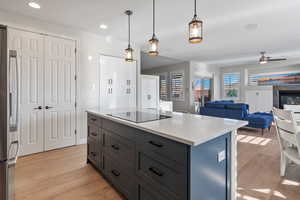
144 165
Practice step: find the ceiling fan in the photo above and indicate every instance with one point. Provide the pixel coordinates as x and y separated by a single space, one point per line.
265 59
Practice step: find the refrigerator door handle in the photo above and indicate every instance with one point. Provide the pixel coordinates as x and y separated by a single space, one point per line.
10 104
14 81
13 160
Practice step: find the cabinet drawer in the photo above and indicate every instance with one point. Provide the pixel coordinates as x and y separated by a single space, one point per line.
95 133
93 153
92 119
162 149
120 148
120 129
161 175
121 178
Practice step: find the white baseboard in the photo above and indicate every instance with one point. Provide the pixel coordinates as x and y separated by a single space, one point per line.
82 141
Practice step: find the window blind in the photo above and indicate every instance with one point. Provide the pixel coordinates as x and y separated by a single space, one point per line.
177 86
163 87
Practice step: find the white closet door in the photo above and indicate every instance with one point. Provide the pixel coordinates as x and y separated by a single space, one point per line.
150 92
59 93
29 47
127 84
132 77
117 83
108 82
123 84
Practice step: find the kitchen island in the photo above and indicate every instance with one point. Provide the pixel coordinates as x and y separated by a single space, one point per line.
185 157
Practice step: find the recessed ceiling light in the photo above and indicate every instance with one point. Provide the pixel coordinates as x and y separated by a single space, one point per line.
103 26
34 4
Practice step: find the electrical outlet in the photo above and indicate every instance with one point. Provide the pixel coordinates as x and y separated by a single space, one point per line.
221 156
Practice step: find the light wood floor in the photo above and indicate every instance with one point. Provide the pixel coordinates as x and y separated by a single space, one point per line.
258 169
61 175
64 175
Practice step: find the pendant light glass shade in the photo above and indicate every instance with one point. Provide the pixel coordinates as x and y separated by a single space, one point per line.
153 46
129 54
195 31
153 42
195 28
129 50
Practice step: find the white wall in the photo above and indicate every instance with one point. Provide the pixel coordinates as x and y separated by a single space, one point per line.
88 45
192 69
179 106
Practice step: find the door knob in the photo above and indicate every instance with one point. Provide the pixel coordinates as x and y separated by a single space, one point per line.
38 108
48 107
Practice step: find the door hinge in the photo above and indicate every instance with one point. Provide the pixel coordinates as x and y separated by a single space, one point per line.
75 104
75 50
75 77
75 131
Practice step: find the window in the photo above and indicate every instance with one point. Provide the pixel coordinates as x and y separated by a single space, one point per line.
231 83
163 87
274 79
177 86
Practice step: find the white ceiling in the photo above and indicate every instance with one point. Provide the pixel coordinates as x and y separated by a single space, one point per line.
148 62
226 37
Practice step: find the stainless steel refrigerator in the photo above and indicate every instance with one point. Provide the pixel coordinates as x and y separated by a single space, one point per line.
9 115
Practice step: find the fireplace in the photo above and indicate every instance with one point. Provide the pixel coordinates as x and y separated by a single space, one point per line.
289 95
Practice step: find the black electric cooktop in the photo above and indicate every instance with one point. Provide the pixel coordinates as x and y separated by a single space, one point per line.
139 117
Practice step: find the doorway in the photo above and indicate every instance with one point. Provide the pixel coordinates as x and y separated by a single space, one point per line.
202 92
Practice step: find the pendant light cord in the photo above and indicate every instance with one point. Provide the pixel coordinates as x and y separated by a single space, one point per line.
153 18
129 39
195 11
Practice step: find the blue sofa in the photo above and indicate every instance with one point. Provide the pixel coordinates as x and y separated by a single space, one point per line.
240 111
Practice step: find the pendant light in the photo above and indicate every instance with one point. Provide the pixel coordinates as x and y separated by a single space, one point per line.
129 50
153 42
195 28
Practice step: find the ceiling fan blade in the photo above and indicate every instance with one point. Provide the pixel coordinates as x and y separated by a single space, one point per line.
277 59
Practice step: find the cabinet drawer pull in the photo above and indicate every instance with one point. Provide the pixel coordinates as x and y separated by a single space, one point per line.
156 171
156 144
115 147
115 172
93 119
93 134
103 139
93 154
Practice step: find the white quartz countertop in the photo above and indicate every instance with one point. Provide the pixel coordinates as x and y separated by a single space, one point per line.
190 129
